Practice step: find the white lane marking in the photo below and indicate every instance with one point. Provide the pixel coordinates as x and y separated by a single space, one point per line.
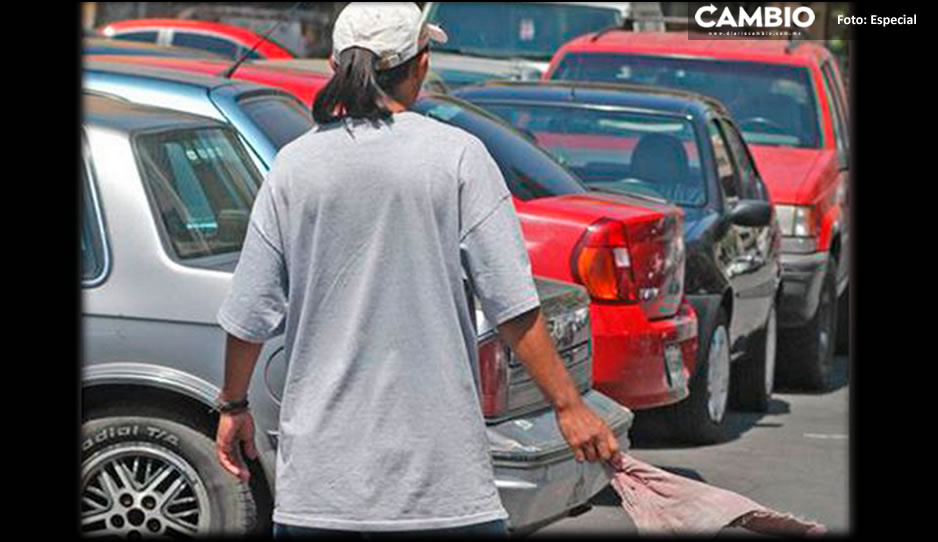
834 436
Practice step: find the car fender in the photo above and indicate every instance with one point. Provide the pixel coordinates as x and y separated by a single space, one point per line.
179 382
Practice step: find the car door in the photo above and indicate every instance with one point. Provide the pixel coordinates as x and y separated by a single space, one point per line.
833 91
734 244
759 261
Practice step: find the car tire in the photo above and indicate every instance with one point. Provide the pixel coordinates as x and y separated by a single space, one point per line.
701 417
157 478
808 352
753 377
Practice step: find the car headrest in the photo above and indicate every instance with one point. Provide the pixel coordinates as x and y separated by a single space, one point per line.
660 158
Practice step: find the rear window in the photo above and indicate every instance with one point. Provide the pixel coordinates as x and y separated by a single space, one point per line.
146 37
202 184
281 118
636 153
529 171
517 29
772 104
210 43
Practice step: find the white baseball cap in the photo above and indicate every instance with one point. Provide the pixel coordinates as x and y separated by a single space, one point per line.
395 31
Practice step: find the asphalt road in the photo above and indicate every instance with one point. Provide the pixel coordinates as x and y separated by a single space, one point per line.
795 458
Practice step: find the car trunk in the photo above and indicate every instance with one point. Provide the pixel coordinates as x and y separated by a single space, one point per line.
565 308
653 230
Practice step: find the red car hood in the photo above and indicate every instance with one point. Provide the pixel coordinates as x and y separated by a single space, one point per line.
786 170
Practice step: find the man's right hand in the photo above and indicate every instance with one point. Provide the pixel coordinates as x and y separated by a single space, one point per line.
587 434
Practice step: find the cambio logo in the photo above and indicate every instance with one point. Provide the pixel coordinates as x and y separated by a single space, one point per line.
770 17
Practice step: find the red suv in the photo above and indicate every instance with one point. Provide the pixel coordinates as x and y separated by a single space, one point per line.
227 40
790 104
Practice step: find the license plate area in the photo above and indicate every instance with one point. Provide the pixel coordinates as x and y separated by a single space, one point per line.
674 366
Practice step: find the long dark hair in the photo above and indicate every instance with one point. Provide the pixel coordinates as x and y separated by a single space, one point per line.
357 88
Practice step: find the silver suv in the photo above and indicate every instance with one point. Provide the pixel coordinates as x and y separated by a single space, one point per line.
166 200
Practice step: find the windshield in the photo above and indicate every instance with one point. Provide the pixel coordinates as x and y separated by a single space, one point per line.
203 186
772 104
529 171
281 118
516 29
635 153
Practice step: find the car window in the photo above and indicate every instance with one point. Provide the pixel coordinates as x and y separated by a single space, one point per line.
750 186
201 41
202 184
92 243
517 29
147 37
772 104
281 118
725 172
529 171
831 93
639 153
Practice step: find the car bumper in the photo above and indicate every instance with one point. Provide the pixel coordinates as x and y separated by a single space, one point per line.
802 277
629 354
537 476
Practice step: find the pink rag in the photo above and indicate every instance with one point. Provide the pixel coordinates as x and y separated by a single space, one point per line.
663 503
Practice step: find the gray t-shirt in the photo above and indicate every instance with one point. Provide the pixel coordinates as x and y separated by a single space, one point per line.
356 249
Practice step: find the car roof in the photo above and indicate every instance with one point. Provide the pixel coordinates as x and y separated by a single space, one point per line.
163 75
117 114
280 68
657 99
679 43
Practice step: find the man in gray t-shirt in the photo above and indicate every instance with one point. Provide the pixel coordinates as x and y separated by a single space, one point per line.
357 246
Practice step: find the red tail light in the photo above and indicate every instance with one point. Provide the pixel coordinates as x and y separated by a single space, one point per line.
601 262
493 371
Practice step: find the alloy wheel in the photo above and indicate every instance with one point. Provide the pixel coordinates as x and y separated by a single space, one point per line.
133 490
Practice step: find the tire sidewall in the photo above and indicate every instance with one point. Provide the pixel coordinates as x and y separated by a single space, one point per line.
230 505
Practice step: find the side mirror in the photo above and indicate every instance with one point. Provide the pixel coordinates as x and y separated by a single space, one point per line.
752 213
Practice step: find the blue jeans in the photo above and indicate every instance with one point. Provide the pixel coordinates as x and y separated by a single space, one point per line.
497 528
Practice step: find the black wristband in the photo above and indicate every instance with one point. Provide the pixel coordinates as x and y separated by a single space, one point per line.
231 407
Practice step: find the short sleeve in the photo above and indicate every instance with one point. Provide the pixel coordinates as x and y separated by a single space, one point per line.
256 305
493 252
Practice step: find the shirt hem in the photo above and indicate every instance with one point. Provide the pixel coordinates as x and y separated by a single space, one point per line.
387 525
517 310
240 332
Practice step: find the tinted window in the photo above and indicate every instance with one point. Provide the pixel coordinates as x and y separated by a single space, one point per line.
748 177
148 37
92 249
201 41
203 185
724 163
281 118
512 29
529 171
613 150
772 104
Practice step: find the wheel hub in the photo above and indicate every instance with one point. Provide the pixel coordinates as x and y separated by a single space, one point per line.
770 350
133 489
718 373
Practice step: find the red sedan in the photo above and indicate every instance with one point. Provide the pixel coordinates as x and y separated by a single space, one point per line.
224 39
